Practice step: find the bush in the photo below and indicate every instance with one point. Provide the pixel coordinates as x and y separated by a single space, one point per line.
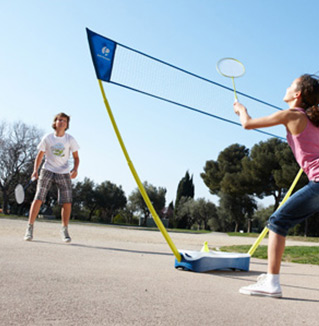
119 219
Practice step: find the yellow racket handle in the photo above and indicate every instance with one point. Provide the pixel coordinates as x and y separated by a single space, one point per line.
235 93
265 230
137 179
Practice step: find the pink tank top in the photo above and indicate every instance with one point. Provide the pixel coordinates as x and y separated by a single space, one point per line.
305 147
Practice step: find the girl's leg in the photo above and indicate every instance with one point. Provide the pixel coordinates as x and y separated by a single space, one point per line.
276 248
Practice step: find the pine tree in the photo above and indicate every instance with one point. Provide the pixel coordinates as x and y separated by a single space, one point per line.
185 189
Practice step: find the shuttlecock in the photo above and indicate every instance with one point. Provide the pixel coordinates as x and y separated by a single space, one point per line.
205 247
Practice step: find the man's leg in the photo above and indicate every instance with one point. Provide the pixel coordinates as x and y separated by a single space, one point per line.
34 211
63 182
43 186
66 213
65 216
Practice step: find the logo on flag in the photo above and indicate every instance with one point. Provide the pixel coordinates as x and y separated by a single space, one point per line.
105 51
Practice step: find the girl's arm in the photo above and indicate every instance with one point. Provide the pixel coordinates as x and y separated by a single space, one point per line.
277 118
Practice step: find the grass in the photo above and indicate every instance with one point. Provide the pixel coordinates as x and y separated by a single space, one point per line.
292 254
137 227
290 237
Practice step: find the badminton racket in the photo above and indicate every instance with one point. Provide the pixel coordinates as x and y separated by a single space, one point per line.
19 191
231 68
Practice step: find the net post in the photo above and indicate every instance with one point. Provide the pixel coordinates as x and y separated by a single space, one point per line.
141 188
265 231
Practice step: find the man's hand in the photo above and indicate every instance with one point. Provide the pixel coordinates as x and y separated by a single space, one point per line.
73 174
34 175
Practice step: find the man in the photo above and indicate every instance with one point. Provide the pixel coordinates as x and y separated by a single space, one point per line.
56 147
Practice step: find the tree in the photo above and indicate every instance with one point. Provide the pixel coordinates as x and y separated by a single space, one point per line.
225 174
185 188
235 211
169 214
227 178
184 216
261 217
18 149
205 212
199 213
85 197
156 196
308 228
110 199
271 168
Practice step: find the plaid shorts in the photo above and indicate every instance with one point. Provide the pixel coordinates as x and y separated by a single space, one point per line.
63 182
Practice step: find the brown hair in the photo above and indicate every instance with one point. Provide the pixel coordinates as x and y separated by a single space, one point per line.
309 87
63 115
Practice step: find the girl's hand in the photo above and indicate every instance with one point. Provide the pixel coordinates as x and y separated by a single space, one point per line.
238 108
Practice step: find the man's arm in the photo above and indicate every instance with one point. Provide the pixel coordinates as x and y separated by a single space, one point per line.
36 165
76 159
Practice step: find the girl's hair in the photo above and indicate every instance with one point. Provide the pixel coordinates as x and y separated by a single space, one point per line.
309 87
59 115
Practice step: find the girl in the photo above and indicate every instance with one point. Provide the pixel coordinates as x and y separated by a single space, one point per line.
301 120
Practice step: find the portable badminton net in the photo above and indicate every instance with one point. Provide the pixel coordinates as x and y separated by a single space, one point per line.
123 66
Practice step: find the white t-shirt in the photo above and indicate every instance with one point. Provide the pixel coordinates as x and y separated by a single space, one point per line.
57 152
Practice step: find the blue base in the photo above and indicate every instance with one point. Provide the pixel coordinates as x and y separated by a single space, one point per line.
198 261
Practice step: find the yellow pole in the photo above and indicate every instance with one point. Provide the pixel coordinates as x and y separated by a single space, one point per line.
265 230
137 179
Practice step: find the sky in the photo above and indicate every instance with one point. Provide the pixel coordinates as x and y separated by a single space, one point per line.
46 68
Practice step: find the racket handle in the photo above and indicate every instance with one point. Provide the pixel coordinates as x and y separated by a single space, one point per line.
29 183
235 93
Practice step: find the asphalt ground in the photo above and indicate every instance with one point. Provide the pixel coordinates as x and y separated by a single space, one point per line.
122 276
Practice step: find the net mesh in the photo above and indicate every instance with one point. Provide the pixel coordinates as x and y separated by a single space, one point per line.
139 72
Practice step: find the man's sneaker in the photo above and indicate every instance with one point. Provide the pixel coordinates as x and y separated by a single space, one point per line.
65 234
263 287
29 233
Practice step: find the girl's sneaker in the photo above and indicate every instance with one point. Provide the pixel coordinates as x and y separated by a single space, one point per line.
264 287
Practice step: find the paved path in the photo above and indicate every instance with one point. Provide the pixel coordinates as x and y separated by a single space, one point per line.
120 276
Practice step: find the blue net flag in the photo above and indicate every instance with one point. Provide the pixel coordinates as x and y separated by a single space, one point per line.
102 51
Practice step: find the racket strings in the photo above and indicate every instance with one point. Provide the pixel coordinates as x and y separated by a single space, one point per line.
19 194
230 67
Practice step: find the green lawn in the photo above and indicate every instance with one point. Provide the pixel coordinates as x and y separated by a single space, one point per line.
292 254
256 235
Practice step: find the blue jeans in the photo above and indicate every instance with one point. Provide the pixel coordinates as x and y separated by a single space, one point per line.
301 205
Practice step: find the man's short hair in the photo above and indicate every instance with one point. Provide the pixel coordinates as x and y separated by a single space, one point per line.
62 115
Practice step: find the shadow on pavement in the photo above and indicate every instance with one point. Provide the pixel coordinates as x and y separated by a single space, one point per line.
104 248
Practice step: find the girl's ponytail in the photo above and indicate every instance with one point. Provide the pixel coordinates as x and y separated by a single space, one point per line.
309 87
313 114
